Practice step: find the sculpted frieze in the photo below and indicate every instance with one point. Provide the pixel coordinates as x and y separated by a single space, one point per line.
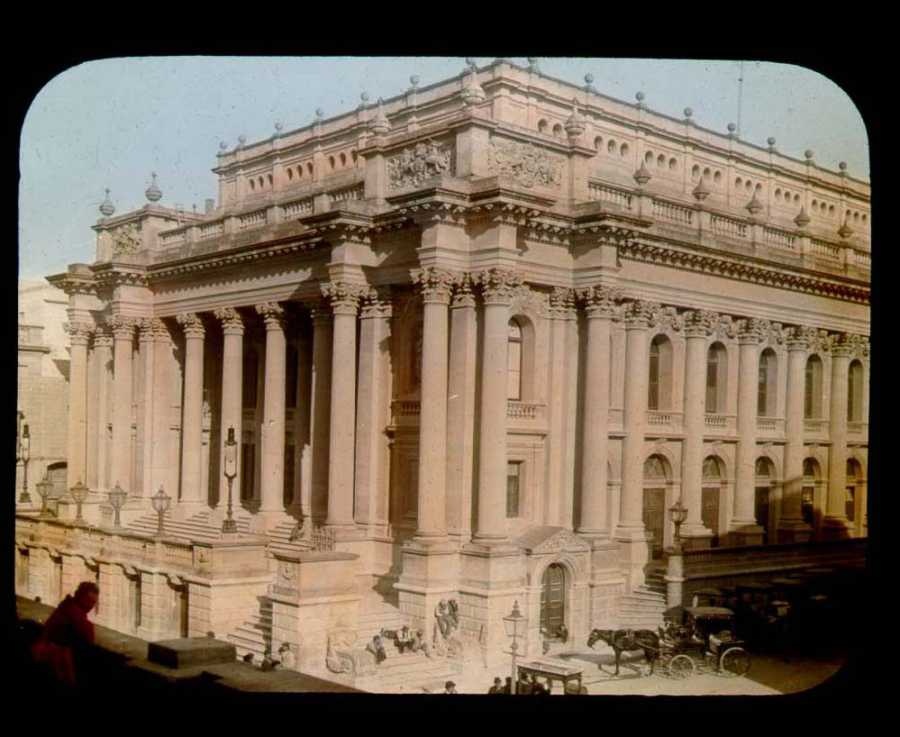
126 240
525 163
414 165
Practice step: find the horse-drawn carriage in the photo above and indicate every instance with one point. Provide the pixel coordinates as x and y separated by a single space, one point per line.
705 638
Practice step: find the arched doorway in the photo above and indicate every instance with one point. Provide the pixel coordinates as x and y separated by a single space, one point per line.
765 475
553 600
655 482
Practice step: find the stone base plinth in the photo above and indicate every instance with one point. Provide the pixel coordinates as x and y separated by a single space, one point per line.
790 531
745 534
189 652
634 553
429 574
606 584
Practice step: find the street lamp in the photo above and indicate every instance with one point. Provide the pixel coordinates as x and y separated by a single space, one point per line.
117 500
161 502
675 565
44 488
79 493
515 628
229 526
25 455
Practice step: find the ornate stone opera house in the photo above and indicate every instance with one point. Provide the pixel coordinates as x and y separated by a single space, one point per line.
474 341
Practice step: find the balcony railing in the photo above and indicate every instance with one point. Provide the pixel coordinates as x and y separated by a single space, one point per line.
719 423
727 226
858 429
614 196
770 425
815 427
516 410
671 211
252 219
780 239
665 421
821 249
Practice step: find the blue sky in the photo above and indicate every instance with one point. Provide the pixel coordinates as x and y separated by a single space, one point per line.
109 123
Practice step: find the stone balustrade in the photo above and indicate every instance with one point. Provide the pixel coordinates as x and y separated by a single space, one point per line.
669 422
720 424
821 249
673 212
770 426
728 227
776 238
858 430
816 428
612 195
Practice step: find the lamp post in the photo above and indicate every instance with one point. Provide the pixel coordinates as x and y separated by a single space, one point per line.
79 493
25 455
161 502
675 565
44 487
515 628
229 526
117 500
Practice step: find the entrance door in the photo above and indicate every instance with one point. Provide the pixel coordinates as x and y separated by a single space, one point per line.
762 511
655 519
710 513
553 599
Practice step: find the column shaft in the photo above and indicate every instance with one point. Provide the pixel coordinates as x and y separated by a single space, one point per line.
103 347
272 435
192 409
77 436
635 418
320 412
232 397
791 524
161 391
123 332
744 514
836 522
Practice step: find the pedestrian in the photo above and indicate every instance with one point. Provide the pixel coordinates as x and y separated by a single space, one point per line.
507 689
497 688
449 687
287 656
376 647
65 643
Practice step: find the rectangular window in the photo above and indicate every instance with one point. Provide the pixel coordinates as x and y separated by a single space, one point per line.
850 505
513 480
761 396
711 386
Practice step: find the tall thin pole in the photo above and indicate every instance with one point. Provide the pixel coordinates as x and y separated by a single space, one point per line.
740 96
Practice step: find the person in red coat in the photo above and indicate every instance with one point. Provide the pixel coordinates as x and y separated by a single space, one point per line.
68 633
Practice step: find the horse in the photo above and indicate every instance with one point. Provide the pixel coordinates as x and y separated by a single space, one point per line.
627 640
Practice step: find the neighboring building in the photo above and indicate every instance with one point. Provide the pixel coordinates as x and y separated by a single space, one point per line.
42 385
476 340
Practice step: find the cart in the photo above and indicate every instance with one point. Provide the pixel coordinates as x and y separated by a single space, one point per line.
705 640
552 672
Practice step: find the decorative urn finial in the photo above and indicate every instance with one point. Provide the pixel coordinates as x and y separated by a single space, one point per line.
688 112
771 141
106 207
533 65
575 123
379 125
754 206
223 146
472 93
802 219
809 154
639 96
731 130
414 81
589 82
153 192
701 191
642 175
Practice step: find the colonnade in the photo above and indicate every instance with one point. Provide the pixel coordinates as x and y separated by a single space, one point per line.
341 419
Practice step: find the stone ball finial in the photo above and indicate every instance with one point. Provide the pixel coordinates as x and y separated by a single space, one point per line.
808 153
732 127
278 126
639 96
364 97
414 81
688 112
532 63
153 192
242 139
106 207
589 78
320 113
842 165
470 62
771 141
223 146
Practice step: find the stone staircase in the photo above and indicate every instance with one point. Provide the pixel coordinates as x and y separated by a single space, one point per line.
642 608
255 635
198 527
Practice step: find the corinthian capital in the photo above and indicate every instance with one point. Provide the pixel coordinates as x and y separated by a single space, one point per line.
463 295
434 284
376 302
600 301
498 286
79 332
152 328
191 324
103 337
343 296
232 322
699 323
562 303
122 327
753 330
639 313
272 314
843 345
800 338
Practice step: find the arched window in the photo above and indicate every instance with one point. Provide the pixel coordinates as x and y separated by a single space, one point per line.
660 384
765 398
711 497
716 377
854 474
762 502
558 130
854 392
812 404
808 491
514 361
542 126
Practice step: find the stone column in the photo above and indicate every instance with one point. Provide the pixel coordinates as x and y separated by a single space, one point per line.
836 524
744 527
92 404
698 325
375 317
123 339
791 527
301 492
272 431
232 396
103 343
461 409
344 298
192 409
498 287
159 388
630 532
561 307
434 285
600 304
79 334
320 411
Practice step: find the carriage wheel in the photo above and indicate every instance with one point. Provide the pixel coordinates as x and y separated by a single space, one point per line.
735 661
681 666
